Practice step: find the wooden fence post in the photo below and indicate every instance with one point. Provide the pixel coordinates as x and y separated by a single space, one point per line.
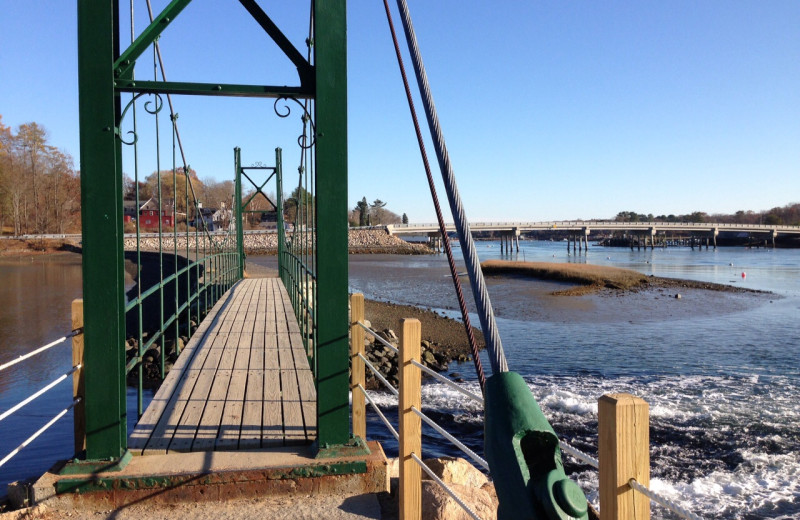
409 422
78 385
624 453
357 365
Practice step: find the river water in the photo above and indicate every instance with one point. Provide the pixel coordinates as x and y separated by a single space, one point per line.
36 295
719 370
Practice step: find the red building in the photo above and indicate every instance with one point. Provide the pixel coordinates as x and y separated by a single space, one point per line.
149 215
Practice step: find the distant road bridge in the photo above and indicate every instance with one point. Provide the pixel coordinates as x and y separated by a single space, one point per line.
582 228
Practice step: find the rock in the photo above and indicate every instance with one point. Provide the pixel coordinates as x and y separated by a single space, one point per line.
437 504
456 470
489 488
428 358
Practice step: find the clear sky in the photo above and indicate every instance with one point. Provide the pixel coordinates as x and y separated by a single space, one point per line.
551 110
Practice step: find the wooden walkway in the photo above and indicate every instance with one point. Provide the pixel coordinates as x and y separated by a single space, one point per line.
243 381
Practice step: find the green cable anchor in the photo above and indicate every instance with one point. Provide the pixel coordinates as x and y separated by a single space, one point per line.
522 450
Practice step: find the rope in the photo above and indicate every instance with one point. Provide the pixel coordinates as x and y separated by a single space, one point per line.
479 291
444 433
446 381
375 335
379 376
383 417
39 432
449 491
658 499
37 394
41 349
578 454
462 305
652 495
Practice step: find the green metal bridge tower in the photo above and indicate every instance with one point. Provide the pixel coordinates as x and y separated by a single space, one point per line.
105 74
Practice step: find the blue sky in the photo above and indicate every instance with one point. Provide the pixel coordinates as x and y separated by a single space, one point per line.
551 110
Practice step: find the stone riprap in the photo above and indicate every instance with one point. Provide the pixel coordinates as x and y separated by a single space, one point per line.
359 241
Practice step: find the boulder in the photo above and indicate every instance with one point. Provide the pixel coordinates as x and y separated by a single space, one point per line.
437 504
456 470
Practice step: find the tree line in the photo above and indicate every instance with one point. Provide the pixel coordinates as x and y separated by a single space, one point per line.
39 187
40 193
788 215
374 214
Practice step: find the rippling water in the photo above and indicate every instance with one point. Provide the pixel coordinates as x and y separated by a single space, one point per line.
36 295
720 371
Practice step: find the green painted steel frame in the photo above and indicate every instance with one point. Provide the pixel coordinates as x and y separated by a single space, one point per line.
237 159
332 357
104 73
101 204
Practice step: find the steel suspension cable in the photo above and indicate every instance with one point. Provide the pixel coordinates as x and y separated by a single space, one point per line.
462 304
480 293
173 118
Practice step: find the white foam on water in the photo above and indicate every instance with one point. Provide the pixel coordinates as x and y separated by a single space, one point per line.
566 401
752 420
763 481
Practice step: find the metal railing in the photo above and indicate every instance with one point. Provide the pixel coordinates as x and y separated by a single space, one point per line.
175 286
623 424
297 238
75 371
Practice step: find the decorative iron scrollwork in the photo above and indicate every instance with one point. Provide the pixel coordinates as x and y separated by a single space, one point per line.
303 140
158 105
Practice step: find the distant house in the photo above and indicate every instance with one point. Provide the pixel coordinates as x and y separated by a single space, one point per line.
205 219
129 211
150 212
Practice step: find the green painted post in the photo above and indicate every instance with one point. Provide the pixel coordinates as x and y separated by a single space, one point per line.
101 203
330 52
279 206
237 153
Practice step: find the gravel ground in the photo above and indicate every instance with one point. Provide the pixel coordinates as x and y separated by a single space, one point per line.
304 507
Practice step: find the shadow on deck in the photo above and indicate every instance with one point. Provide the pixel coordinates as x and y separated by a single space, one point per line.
235 418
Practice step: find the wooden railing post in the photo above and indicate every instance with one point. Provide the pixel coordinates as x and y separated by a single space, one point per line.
409 422
78 385
624 453
357 365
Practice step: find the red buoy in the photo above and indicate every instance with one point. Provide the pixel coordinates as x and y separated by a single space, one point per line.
744 275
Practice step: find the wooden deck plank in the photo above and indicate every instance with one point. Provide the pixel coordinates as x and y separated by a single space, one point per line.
242 382
197 400
231 422
250 437
210 422
293 426
272 421
162 410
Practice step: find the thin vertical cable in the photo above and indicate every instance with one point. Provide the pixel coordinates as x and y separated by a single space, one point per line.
140 314
462 304
479 291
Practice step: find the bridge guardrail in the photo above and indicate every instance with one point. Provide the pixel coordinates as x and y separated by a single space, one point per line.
623 424
76 371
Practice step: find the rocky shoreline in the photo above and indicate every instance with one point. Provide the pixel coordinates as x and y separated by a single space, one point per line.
360 241
444 340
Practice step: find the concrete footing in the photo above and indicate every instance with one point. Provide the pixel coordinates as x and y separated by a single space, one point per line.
211 476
